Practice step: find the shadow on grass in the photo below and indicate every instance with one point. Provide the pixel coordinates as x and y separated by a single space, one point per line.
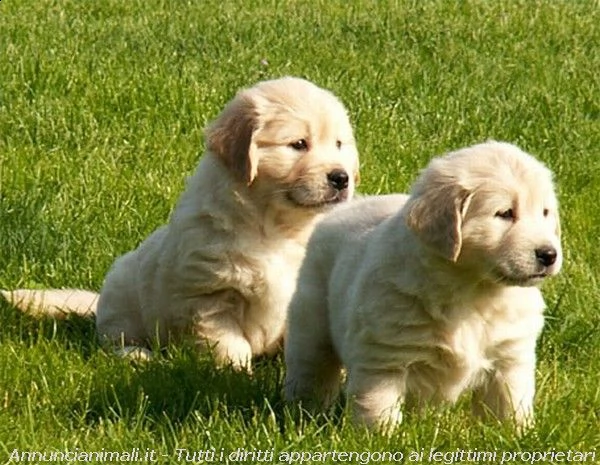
74 332
180 384
176 385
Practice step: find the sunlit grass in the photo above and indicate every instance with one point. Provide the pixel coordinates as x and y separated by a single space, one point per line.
102 108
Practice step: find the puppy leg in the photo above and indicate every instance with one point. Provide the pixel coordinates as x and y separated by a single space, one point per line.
230 347
313 372
376 397
312 365
508 393
218 327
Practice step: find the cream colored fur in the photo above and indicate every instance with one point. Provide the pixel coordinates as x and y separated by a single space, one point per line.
55 302
223 269
422 298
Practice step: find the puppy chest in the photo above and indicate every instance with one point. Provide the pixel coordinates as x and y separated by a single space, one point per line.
265 315
265 273
454 362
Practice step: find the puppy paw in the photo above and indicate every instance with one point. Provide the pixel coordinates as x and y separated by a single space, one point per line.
137 354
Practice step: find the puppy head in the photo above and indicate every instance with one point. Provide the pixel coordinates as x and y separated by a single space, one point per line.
290 141
491 209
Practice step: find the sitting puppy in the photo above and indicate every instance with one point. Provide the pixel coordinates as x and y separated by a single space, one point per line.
421 298
224 268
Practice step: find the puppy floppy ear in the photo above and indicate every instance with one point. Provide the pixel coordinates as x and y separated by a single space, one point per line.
436 214
231 137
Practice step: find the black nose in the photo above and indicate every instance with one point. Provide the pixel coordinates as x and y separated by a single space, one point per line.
546 255
338 179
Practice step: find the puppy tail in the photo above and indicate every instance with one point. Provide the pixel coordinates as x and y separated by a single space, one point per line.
56 303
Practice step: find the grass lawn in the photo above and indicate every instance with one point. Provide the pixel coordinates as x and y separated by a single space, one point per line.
102 108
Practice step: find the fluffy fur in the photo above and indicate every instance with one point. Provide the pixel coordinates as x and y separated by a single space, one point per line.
224 268
421 298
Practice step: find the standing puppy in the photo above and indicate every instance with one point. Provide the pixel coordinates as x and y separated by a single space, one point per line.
424 297
224 268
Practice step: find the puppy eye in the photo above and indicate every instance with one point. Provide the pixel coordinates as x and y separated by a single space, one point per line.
546 212
506 214
300 144
338 144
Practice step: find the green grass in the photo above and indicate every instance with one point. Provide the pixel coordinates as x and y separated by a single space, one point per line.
102 108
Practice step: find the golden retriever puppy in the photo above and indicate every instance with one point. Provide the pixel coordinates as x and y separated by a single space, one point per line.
224 268
424 297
